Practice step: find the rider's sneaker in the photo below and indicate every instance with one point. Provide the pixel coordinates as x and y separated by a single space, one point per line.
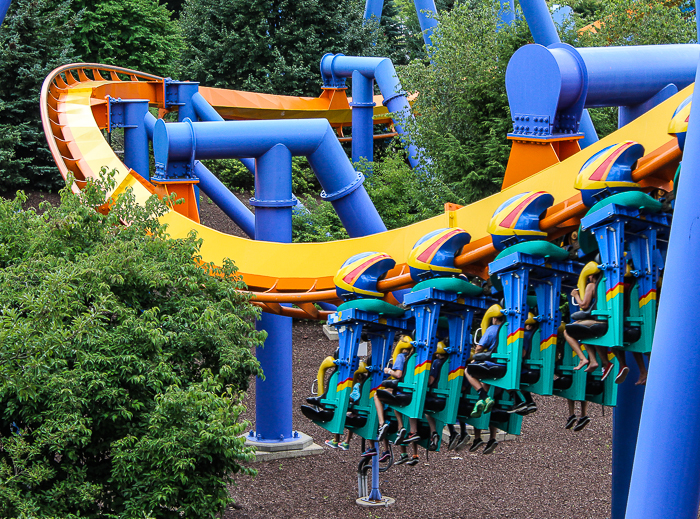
385 456
478 442
332 444
369 453
344 446
489 404
414 461
491 446
517 407
403 458
401 436
463 441
478 409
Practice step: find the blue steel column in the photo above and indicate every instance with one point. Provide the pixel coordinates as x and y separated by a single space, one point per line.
136 154
362 112
273 222
507 12
5 5
427 17
373 8
666 473
544 32
626 417
185 92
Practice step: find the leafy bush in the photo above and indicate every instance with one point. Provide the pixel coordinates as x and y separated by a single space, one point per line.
121 364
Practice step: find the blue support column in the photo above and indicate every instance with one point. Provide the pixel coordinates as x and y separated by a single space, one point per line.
227 201
626 417
362 112
427 17
627 114
507 12
5 5
136 154
132 116
273 222
665 477
373 8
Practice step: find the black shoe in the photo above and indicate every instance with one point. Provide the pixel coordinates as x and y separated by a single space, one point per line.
414 461
369 453
434 442
453 441
531 408
413 437
570 422
402 459
478 442
582 423
518 407
463 441
381 432
385 456
401 436
491 446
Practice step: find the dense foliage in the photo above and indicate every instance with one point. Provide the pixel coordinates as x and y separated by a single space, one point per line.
32 43
121 363
137 34
272 46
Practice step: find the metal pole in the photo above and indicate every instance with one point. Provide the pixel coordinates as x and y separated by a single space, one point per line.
4 6
273 222
375 494
427 17
136 154
373 8
626 417
666 474
362 112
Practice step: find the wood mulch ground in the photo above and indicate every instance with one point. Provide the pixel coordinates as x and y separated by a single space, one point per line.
547 472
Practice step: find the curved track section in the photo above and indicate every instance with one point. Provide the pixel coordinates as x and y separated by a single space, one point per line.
74 113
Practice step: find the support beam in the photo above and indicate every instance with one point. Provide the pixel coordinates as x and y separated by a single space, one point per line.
666 478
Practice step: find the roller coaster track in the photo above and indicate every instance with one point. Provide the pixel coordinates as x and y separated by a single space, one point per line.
74 113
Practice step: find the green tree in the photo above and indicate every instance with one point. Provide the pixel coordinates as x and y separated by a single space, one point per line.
272 46
122 358
462 105
33 42
137 34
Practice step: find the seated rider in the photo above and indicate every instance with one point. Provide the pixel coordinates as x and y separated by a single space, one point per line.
526 404
487 344
585 303
435 368
396 375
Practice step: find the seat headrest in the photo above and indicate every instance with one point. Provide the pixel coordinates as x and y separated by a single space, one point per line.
493 311
590 269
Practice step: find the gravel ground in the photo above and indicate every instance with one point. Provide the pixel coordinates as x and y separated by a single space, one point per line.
547 472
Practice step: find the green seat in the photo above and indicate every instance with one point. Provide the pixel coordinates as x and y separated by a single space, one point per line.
373 305
540 248
633 199
449 284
